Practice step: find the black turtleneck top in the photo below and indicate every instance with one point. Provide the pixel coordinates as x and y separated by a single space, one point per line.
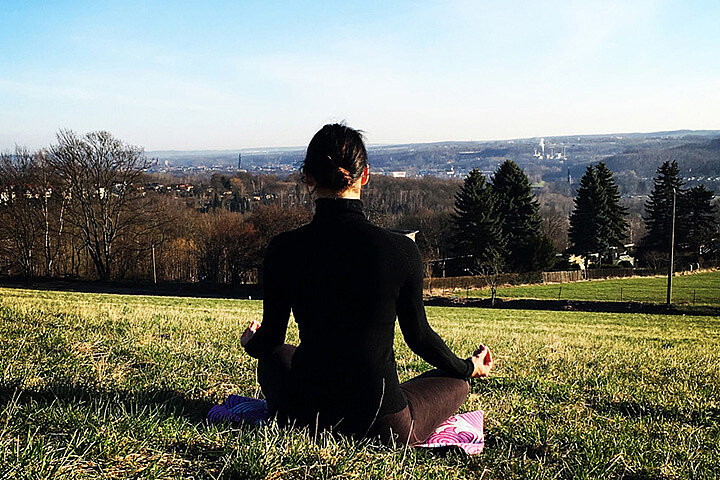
346 280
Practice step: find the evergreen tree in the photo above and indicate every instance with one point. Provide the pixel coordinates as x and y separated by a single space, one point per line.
699 217
589 231
477 233
519 215
614 211
658 209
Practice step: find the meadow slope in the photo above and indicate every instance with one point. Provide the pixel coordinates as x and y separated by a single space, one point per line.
110 386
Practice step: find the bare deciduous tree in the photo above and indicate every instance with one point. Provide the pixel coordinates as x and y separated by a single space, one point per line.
32 210
20 220
228 248
101 175
554 225
52 209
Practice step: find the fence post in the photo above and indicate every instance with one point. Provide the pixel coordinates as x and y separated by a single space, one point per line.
560 292
693 296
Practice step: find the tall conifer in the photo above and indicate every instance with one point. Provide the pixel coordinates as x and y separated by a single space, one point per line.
519 215
614 211
658 209
589 230
700 219
477 233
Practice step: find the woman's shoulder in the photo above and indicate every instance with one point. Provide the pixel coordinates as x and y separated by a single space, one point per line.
399 240
400 237
288 238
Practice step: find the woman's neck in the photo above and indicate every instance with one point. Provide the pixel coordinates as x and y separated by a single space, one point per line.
351 193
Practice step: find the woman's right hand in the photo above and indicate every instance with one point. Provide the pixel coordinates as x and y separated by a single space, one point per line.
483 362
249 332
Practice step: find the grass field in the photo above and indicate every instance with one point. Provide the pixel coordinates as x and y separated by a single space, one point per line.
700 288
116 386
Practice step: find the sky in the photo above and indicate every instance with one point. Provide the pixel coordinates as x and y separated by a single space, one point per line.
232 74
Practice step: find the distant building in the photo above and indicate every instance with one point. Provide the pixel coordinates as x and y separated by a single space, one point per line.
543 155
398 174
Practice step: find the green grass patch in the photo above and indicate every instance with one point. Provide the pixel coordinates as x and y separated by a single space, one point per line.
700 289
111 386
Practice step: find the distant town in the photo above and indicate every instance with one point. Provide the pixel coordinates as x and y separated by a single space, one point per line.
545 159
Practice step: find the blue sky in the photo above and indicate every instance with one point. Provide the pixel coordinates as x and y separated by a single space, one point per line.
231 74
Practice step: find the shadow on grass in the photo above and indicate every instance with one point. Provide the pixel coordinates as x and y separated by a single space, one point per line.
164 404
171 402
558 393
630 409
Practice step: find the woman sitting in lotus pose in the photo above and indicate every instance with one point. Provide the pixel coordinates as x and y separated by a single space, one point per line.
346 281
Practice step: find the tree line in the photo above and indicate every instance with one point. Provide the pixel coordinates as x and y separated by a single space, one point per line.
85 207
496 223
79 209
597 224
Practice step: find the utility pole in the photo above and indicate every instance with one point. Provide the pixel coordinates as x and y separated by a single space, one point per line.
153 260
672 250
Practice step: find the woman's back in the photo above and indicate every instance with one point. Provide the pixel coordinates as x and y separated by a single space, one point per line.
342 276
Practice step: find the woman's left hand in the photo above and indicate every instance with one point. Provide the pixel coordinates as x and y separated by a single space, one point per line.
249 332
482 361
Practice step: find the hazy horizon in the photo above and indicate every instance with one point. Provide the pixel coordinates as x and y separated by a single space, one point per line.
224 75
377 145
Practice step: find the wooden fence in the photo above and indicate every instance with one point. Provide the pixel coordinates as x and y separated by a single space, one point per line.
596 273
562 277
479 281
437 285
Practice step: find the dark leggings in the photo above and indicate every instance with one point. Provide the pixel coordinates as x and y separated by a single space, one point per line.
432 398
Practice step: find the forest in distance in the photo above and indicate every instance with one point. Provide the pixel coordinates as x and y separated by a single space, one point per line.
111 216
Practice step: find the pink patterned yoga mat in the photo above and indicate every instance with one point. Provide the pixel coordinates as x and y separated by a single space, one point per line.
464 431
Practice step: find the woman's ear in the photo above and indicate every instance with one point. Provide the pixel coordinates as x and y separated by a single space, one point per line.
365 178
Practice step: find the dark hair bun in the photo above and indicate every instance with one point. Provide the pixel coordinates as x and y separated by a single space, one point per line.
336 157
340 179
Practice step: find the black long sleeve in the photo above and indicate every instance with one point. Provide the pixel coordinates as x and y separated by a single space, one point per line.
346 281
418 333
276 306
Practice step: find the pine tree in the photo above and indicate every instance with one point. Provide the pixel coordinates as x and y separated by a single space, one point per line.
699 218
477 233
589 230
519 214
614 211
658 209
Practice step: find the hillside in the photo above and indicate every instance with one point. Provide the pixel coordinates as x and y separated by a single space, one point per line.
118 386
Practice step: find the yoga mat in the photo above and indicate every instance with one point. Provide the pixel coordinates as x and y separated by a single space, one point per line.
464 431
